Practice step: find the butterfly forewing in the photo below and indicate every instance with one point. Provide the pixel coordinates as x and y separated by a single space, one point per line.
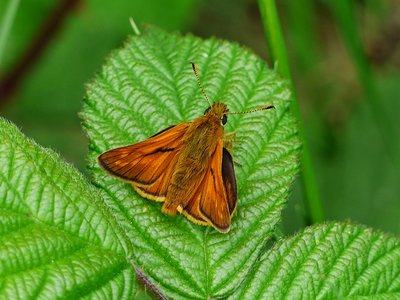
229 178
148 165
214 206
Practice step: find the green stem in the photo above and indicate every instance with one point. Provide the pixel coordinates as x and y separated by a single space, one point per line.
5 27
301 19
343 13
276 44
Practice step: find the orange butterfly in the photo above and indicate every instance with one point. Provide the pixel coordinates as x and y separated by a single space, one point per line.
187 166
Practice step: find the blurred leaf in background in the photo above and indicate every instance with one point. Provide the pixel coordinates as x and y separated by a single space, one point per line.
48 95
356 175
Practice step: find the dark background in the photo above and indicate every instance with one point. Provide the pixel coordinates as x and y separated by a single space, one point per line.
55 48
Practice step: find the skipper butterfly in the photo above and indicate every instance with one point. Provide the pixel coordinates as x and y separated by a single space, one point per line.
188 167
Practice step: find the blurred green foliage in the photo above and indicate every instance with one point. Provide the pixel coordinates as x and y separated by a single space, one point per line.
356 178
49 97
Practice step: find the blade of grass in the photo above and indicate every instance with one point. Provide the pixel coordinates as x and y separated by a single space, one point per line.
344 15
5 27
276 44
301 19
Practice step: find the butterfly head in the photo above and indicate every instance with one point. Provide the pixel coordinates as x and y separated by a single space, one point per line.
218 110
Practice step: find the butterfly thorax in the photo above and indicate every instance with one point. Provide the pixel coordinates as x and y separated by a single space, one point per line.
204 134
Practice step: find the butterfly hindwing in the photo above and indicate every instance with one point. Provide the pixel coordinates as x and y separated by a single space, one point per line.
191 210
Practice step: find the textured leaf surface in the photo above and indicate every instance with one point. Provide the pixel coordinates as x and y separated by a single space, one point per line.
332 261
56 237
149 85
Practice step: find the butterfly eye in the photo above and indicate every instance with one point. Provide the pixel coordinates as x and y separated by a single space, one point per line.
206 111
224 119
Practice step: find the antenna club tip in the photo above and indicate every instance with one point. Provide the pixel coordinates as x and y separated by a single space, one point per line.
268 107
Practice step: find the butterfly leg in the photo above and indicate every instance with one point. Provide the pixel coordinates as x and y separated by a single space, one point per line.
230 135
229 139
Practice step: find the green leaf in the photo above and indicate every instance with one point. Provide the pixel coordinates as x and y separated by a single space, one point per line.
331 261
149 85
57 238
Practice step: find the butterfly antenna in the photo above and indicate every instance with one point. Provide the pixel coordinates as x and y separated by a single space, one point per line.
250 111
198 81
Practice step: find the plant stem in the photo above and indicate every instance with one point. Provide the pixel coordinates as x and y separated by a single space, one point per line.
301 19
10 82
276 45
5 27
343 13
